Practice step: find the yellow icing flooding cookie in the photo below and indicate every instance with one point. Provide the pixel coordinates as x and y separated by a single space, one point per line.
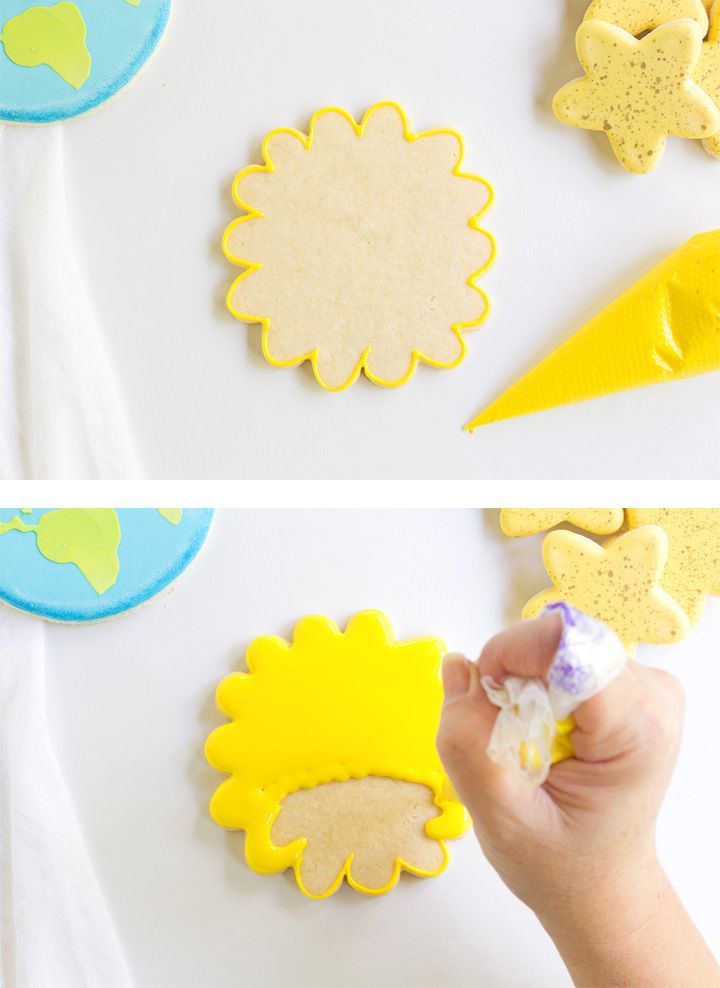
639 92
638 16
518 522
362 247
692 570
707 74
53 36
665 328
618 583
310 716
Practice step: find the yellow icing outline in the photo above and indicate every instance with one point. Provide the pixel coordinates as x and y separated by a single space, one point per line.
306 139
372 629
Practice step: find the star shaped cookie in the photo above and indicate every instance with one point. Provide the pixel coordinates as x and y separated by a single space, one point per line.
639 92
517 522
707 75
692 570
618 583
638 16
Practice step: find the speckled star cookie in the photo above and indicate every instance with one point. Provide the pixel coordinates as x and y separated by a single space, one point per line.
638 16
618 583
639 92
518 522
362 248
692 570
707 74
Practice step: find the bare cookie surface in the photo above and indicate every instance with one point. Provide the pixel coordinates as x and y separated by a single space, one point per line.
362 247
359 829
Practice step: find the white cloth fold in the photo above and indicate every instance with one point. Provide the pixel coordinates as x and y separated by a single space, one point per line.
54 929
60 412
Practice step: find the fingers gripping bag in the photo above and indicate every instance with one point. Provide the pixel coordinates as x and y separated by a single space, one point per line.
531 732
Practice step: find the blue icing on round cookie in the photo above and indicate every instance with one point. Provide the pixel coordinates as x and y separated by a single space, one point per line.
152 551
120 37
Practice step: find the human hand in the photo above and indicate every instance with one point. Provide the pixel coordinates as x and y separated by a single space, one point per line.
579 850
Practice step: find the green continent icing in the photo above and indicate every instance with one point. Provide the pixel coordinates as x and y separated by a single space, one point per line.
87 537
16 525
173 515
53 36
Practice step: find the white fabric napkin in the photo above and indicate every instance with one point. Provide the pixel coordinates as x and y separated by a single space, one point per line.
60 413
54 929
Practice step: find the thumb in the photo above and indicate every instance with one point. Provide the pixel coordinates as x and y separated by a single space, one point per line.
466 724
468 716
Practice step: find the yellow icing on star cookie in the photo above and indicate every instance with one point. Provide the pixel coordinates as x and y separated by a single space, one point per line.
638 16
692 570
326 708
618 583
53 36
519 522
639 92
707 75
362 247
665 328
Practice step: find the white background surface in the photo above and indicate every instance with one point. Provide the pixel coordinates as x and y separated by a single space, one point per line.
131 702
149 178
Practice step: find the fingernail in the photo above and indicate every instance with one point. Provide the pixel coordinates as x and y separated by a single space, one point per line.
551 628
456 676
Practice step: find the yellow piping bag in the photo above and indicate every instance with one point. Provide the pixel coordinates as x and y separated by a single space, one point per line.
665 328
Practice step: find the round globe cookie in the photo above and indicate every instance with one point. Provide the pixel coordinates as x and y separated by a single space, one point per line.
62 59
89 564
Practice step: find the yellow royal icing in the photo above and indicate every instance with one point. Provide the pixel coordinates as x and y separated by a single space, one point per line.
638 16
618 583
87 537
666 327
639 92
692 570
330 706
173 515
519 522
53 36
707 75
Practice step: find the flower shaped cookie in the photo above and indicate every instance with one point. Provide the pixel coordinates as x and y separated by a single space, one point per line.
618 583
332 759
639 92
362 247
